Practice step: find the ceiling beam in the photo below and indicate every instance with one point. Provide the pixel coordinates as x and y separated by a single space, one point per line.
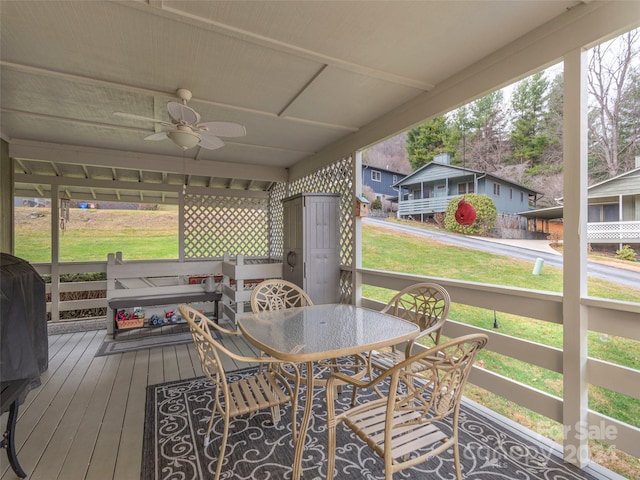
79 155
67 182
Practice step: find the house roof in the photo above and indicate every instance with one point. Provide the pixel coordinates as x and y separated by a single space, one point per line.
433 164
373 167
312 82
595 191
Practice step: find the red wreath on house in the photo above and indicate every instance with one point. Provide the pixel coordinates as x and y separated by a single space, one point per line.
465 214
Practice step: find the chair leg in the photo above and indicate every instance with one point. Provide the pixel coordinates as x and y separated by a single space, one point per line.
207 438
275 414
456 460
223 446
331 451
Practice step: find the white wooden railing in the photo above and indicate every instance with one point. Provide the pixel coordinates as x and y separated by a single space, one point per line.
56 288
605 316
424 205
616 232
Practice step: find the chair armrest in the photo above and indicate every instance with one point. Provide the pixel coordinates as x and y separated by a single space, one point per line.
213 324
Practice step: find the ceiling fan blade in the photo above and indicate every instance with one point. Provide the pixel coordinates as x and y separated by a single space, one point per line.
140 117
223 129
181 113
157 136
210 142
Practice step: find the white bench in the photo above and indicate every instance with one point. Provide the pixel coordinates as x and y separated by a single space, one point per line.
161 282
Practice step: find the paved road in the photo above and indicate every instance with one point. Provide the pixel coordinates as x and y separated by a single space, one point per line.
516 249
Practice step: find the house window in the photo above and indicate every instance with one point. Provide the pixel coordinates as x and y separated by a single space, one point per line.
521 197
610 212
496 189
395 179
511 194
465 188
376 176
603 213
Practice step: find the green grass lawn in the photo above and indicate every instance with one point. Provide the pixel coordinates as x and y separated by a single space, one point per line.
92 234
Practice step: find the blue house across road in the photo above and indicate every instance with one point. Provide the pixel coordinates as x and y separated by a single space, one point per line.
428 190
381 181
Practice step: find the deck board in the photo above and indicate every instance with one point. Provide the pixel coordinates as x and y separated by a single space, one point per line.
84 443
59 448
104 458
128 462
35 430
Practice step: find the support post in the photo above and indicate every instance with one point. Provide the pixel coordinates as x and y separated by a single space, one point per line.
575 321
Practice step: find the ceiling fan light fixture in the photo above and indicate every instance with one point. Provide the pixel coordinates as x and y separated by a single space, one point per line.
185 139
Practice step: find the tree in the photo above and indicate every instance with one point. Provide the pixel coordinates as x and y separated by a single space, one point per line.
390 154
528 136
461 125
486 144
610 73
428 140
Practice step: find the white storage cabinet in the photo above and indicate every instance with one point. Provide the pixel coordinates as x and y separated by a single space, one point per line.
312 244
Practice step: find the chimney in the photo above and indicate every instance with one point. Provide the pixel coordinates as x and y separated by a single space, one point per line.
444 158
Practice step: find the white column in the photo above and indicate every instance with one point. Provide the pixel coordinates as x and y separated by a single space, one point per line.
55 253
181 226
575 258
356 278
6 200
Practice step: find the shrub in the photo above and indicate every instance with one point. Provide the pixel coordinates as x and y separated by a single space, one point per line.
626 253
376 204
554 238
486 215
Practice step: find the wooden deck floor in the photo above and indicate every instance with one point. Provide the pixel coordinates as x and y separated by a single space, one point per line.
86 419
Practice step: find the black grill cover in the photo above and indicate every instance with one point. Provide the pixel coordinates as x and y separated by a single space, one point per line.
24 345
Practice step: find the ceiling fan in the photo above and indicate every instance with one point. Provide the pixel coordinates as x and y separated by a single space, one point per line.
186 129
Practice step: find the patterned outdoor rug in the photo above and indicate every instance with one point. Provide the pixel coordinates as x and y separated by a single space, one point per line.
177 414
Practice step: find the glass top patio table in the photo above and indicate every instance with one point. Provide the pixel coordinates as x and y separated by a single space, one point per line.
313 333
317 332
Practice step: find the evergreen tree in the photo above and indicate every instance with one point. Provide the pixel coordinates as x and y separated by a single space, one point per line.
630 123
427 140
528 136
461 128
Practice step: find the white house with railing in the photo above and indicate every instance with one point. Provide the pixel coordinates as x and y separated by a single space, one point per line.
613 211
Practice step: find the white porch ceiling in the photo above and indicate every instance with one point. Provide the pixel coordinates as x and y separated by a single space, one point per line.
304 77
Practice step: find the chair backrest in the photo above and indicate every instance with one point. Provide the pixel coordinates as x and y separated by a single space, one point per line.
277 294
206 346
434 379
425 304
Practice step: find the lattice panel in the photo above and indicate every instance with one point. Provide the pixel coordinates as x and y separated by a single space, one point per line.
276 217
215 225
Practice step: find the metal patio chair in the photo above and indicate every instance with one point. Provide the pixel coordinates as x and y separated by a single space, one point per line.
268 389
426 305
424 392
